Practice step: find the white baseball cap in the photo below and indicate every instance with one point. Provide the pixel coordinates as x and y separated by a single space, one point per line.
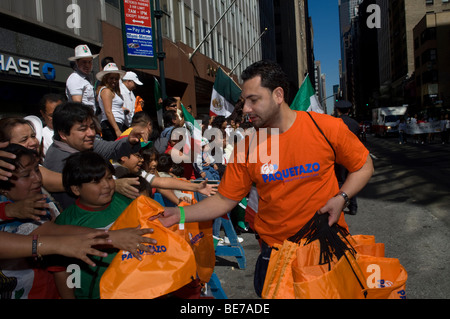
133 77
81 52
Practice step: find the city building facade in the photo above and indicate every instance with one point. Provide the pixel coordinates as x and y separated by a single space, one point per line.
40 37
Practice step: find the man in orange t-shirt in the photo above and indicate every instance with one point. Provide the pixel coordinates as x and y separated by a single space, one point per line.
297 179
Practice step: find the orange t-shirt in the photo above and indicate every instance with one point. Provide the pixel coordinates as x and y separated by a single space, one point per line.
294 186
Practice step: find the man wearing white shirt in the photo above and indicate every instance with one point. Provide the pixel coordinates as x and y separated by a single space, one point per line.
127 85
79 86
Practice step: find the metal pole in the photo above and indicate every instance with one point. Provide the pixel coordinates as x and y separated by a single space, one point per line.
257 40
161 54
191 55
326 98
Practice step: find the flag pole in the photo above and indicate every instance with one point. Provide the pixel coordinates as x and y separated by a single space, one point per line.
248 51
161 54
191 55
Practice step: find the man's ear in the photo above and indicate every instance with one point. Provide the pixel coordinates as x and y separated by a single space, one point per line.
123 159
75 190
62 136
278 95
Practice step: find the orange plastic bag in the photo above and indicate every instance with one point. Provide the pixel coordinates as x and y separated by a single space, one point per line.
314 281
366 245
169 268
279 281
385 277
363 277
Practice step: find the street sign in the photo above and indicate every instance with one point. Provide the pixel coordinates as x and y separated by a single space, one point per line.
138 34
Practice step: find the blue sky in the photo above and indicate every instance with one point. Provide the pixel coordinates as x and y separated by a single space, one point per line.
325 19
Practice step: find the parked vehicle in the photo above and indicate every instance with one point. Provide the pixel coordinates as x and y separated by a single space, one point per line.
385 120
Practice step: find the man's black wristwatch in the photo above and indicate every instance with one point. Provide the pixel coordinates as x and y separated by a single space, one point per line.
347 200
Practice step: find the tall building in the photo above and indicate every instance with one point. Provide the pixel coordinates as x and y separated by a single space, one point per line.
404 16
347 12
384 55
289 40
320 87
432 70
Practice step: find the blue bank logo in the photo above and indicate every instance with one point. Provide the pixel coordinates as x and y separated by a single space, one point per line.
49 72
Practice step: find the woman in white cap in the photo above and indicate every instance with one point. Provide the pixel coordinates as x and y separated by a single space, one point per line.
111 102
79 86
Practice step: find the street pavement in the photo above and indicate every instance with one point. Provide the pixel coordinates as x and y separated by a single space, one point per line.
405 206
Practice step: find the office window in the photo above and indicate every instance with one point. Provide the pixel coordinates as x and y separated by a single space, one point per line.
177 19
197 24
114 3
188 26
165 20
205 46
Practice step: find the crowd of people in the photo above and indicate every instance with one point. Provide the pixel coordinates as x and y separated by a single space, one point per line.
65 178
439 134
89 151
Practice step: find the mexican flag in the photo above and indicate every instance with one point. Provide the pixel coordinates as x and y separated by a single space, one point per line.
159 110
193 136
225 95
306 99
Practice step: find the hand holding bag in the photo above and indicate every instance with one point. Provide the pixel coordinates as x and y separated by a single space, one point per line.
170 267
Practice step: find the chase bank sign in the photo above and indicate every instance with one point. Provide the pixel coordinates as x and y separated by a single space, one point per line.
26 67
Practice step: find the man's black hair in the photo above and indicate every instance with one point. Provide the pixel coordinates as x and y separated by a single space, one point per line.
169 117
141 118
164 163
168 101
272 76
67 115
84 167
50 97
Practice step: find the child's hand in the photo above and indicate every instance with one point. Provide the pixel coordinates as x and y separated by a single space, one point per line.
132 240
136 135
207 189
185 199
126 187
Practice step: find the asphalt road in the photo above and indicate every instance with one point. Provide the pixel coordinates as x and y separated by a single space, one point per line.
405 205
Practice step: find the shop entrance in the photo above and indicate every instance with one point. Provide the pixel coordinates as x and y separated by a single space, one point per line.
21 98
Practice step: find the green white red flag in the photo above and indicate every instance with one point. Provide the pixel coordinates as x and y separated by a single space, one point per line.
306 99
225 95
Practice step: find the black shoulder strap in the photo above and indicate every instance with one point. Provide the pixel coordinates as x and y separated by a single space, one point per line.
322 134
